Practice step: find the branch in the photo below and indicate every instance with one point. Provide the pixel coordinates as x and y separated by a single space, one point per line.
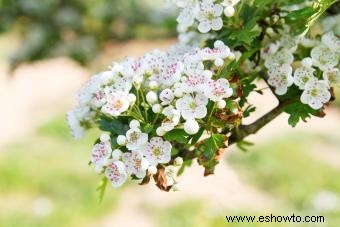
245 130
242 131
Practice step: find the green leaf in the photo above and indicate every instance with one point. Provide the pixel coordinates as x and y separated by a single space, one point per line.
112 125
147 128
298 111
178 135
209 151
186 163
197 136
101 188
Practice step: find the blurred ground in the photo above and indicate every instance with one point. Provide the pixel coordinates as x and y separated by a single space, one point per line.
45 180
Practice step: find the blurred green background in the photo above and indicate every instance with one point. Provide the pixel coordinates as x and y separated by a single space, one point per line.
45 179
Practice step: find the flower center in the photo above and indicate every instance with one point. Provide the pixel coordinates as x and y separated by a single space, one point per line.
157 151
305 79
210 16
117 104
134 137
314 92
192 105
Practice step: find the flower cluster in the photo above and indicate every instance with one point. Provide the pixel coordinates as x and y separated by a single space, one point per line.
204 15
164 109
176 87
324 57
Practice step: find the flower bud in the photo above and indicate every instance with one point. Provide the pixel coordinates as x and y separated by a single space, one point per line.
132 98
121 140
270 31
221 104
160 131
229 11
191 127
134 124
157 108
152 170
178 161
153 85
104 137
218 62
178 92
116 154
151 97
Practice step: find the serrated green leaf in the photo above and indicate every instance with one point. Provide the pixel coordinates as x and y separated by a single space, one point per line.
298 111
112 125
178 135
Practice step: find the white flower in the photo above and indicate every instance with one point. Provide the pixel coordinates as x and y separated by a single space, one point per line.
116 173
135 163
151 97
209 16
166 96
158 151
134 124
121 140
99 98
136 139
172 118
330 40
323 57
76 118
269 50
196 81
117 103
219 89
100 155
332 76
316 94
178 161
280 57
217 54
281 78
186 17
191 127
156 108
192 107
302 76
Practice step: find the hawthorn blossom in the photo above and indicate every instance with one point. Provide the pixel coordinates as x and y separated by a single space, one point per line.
196 81
158 151
219 89
101 153
166 96
116 103
316 94
303 75
192 106
186 17
136 139
281 57
116 173
209 16
280 77
217 54
331 41
77 120
323 57
135 163
332 76
172 118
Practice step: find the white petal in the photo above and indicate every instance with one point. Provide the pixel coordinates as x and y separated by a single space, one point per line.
217 24
204 27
